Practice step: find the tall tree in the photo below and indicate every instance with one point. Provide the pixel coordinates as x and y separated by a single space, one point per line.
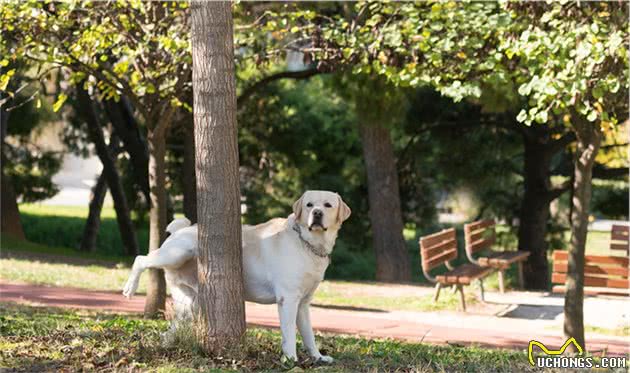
141 51
568 64
221 320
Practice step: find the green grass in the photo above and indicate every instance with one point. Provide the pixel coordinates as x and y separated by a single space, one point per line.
46 339
62 270
62 226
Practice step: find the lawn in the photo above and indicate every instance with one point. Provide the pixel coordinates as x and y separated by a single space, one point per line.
48 339
100 274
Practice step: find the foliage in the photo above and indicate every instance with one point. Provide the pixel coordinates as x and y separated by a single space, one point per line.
569 56
53 339
610 199
138 49
30 167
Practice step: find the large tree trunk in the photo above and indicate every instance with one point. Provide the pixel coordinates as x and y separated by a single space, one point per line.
126 127
534 212
10 222
95 133
156 286
189 182
588 143
392 259
221 319
93 221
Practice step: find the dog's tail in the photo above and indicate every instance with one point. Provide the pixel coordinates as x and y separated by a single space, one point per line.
177 224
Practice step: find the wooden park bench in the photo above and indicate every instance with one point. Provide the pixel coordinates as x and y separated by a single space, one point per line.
439 249
481 236
603 275
619 240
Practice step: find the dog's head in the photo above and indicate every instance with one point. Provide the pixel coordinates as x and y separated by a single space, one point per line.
320 210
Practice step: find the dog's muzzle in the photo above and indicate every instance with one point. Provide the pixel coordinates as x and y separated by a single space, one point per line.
316 221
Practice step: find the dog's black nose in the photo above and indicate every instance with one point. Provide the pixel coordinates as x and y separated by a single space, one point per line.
318 214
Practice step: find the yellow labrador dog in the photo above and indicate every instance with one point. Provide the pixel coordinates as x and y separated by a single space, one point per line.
284 261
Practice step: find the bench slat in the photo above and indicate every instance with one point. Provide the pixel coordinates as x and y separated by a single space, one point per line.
560 278
480 224
622 229
447 255
435 238
503 259
619 236
562 255
463 274
479 245
619 246
432 251
482 235
595 291
563 267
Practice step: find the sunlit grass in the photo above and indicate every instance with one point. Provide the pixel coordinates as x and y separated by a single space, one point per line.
47 339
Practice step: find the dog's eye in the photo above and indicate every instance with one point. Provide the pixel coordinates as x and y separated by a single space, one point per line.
328 205
309 205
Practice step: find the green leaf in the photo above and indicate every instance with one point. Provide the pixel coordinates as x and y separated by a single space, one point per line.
61 99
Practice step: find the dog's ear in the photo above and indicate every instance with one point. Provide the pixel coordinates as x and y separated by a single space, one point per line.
297 208
343 212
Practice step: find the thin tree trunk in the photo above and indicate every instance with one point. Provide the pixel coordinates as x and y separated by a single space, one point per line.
221 319
93 221
10 221
126 127
534 212
588 143
156 286
392 259
189 182
95 133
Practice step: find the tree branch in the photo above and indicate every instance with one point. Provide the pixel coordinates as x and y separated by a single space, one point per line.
298 75
557 191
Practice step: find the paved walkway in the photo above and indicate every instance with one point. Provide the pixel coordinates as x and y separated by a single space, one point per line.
431 327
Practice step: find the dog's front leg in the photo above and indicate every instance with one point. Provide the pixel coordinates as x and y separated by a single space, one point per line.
306 330
287 311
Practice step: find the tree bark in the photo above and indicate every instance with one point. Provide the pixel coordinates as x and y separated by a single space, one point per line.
189 182
221 319
392 259
10 222
156 287
588 143
127 128
93 221
534 211
95 133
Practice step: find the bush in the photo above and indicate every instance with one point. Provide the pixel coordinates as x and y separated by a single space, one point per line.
63 226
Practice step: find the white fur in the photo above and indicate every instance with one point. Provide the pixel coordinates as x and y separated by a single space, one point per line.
277 266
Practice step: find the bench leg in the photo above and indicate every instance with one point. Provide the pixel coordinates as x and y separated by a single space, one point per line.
501 285
460 288
521 280
438 287
481 291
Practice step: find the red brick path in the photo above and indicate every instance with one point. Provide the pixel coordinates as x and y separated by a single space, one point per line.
367 324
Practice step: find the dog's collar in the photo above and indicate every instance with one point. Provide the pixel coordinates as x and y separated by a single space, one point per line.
309 245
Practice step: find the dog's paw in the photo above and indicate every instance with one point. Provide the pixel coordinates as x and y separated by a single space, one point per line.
288 362
130 288
325 359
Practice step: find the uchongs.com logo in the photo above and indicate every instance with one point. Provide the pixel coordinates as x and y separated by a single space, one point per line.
554 359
